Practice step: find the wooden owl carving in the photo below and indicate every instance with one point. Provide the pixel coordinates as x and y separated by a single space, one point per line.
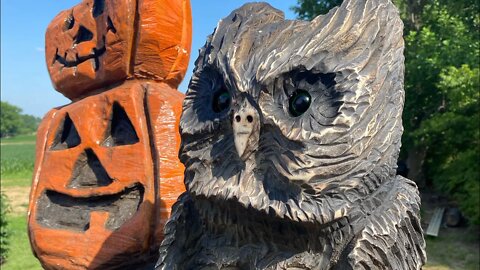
290 136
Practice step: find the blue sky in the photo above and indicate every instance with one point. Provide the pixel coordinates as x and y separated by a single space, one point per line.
24 78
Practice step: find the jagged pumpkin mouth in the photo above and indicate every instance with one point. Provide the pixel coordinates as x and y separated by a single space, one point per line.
93 57
56 210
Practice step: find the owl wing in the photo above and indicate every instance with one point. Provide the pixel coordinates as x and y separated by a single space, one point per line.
181 231
392 233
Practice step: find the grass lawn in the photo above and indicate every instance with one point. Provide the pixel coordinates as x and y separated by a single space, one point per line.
455 248
17 158
30 139
20 255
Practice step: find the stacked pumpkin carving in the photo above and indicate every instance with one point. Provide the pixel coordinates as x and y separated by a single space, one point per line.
107 170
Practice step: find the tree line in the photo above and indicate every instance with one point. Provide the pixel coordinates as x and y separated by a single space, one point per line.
441 141
13 122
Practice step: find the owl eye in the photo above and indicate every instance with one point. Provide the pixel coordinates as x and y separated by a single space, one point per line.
299 102
221 100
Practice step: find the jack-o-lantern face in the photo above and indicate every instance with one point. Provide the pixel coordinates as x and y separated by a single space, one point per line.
90 45
107 170
101 42
98 191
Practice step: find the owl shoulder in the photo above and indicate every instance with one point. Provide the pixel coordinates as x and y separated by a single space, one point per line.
181 231
392 236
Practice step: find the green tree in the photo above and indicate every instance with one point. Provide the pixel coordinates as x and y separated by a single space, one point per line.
29 123
13 122
309 9
441 114
10 119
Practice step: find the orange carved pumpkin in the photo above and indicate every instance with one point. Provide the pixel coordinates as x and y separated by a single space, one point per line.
90 45
101 188
100 42
107 171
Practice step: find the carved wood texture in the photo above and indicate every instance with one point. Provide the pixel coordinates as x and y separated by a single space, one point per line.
107 170
308 181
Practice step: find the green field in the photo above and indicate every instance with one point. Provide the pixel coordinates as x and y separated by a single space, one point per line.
20 254
454 249
29 139
18 157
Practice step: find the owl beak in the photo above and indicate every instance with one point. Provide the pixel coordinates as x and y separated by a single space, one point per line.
246 127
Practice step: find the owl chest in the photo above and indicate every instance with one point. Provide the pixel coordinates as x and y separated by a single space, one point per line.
257 256
260 247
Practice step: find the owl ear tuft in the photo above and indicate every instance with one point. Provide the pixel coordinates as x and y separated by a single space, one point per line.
254 15
249 17
357 32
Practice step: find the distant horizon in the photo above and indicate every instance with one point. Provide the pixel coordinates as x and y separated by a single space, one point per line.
25 82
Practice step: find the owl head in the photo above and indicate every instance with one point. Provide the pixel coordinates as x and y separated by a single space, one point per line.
296 119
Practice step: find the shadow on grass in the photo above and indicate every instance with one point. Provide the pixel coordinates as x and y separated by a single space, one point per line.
455 248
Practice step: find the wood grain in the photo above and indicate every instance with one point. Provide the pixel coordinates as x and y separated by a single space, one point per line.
290 188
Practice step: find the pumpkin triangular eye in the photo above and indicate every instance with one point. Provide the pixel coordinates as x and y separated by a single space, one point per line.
89 172
69 22
83 35
110 26
66 136
121 130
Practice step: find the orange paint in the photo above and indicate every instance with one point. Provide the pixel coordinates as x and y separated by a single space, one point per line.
107 169
88 50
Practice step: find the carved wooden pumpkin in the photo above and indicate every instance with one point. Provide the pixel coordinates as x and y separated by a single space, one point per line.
107 174
107 170
90 45
101 42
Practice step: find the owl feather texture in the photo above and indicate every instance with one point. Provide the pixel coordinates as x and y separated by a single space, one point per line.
290 135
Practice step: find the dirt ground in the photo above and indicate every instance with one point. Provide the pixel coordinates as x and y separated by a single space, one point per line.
18 199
